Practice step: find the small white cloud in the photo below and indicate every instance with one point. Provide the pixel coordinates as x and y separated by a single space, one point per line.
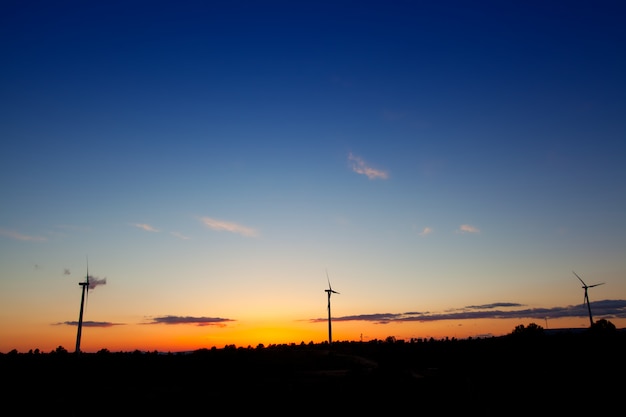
18 236
426 231
146 227
466 228
360 167
228 227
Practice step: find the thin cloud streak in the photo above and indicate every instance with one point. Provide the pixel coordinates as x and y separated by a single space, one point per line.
221 225
606 309
92 323
360 167
198 321
146 227
180 236
602 309
466 228
18 236
150 228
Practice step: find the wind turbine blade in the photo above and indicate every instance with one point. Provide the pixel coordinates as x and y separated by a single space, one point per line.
330 288
595 285
581 280
86 288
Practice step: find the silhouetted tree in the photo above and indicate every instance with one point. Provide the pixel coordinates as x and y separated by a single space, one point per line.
532 330
60 350
603 326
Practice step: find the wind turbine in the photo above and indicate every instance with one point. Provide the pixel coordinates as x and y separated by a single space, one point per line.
85 289
586 299
329 291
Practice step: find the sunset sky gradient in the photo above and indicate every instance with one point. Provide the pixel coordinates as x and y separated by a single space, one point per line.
447 165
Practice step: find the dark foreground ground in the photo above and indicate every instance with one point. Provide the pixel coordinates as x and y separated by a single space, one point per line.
539 375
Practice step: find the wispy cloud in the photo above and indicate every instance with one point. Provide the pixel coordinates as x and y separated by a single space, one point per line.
18 236
491 306
426 231
359 166
145 226
95 281
180 236
149 228
221 225
606 309
466 228
92 323
198 321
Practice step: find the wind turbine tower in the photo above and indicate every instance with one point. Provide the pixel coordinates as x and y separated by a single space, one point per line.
329 291
85 288
586 299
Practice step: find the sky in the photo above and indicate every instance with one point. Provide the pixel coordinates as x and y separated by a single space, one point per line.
451 169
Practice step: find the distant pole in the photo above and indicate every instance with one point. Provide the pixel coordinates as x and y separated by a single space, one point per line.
80 317
329 291
85 288
330 330
589 309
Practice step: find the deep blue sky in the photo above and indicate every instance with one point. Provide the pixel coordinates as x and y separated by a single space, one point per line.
225 146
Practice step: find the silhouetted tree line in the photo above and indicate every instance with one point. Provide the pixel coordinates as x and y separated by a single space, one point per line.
350 376
601 328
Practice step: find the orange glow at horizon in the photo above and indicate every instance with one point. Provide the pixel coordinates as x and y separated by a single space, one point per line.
177 338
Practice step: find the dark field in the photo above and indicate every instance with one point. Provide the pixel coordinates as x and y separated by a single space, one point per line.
510 375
